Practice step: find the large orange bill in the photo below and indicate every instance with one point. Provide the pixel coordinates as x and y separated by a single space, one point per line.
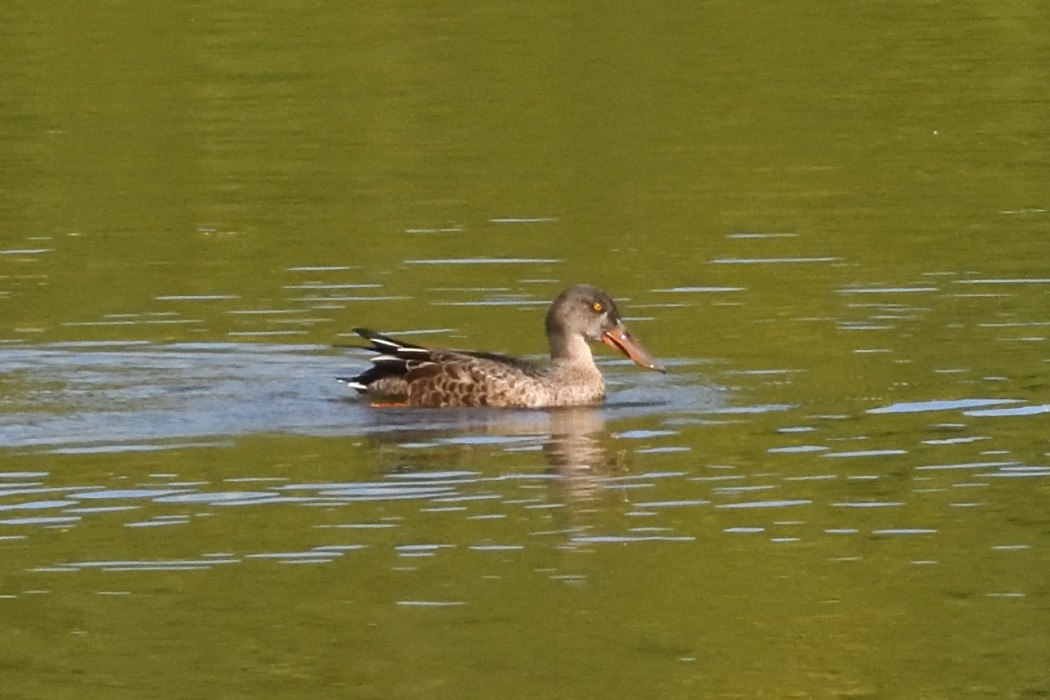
619 339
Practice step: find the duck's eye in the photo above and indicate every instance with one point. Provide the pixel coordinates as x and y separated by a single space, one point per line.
598 307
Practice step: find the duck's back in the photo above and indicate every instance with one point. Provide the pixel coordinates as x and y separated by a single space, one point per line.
404 374
448 378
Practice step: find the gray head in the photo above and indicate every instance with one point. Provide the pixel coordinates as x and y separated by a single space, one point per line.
588 312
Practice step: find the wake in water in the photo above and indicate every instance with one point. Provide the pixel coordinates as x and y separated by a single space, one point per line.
112 397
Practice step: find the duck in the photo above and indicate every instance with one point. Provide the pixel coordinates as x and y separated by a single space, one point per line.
403 374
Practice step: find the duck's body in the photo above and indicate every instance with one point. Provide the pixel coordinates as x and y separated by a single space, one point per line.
405 374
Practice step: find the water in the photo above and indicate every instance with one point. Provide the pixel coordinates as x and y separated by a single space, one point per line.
829 223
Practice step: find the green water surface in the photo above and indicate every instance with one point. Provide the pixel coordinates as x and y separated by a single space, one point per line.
830 219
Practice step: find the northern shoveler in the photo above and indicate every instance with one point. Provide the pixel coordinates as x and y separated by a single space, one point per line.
410 375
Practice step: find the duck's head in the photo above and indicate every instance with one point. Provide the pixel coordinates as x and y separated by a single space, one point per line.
588 312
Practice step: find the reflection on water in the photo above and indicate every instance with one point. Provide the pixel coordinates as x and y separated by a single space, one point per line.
572 440
574 449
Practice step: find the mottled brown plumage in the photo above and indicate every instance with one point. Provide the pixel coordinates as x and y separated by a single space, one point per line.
405 374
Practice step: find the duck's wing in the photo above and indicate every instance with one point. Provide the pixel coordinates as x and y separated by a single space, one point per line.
395 360
386 344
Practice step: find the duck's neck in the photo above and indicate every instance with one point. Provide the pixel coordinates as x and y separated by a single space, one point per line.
574 378
570 350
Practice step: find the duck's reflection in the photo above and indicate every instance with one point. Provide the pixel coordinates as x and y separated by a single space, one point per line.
575 451
572 441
